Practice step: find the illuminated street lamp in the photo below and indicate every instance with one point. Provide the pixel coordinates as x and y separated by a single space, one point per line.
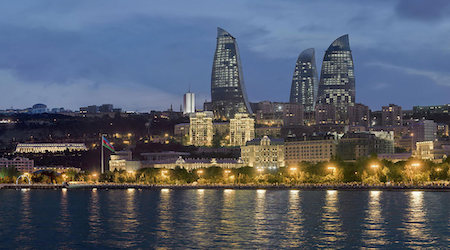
227 171
293 169
374 166
415 164
332 168
164 172
260 170
199 172
438 169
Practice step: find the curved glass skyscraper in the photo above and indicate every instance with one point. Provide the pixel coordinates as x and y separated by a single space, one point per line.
304 81
228 94
337 79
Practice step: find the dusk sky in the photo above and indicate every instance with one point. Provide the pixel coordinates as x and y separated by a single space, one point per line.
143 55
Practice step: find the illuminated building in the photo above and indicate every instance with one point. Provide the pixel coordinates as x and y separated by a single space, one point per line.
49 147
188 103
432 150
201 129
310 150
305 82
263 153
337 79
228 95
122 160
242 129
391 115
278 113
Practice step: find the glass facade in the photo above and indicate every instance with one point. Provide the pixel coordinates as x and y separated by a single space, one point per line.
228 94
305 82
337 79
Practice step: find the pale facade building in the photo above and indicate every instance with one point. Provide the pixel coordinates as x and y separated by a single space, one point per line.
432 150
242 129
309 151
263 153
188 103
201 128
49 147
22 164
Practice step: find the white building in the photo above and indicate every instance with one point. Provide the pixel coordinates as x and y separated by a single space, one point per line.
20 163
49 147
263 153
188 103
122 160
242 129
201 128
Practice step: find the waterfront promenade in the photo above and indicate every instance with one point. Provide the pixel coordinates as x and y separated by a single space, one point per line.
343 186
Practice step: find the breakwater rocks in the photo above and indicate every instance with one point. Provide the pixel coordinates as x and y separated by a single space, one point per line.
346 186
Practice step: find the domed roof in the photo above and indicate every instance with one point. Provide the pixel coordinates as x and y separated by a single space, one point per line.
39 106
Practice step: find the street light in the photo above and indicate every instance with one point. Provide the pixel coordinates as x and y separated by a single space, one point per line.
199 172
260 169
293 169
374 166
415 164
332 168
227 171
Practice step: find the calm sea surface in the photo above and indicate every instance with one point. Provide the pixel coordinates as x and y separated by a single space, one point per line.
165 218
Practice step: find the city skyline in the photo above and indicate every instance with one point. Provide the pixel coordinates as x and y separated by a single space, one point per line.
123 57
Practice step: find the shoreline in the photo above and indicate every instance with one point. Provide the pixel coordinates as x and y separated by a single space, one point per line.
342 187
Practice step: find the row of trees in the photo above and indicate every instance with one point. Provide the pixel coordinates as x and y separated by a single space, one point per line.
366 170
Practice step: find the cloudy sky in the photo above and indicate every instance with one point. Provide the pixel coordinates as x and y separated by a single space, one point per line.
143 55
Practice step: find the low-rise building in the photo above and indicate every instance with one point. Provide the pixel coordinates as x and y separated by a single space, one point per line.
192 163
355 145
58 169
122 160
310 150
396 157
22 164
432 150
263 152
49 147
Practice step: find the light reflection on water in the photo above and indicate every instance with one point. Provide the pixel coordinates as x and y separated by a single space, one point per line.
94 217
332 224
25 228
234 219
374 229
415 225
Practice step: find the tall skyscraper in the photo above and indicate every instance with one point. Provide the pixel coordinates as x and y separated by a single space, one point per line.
228 95
188 103
305 81
337 79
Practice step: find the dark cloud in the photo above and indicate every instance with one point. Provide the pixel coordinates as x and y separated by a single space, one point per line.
424 10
